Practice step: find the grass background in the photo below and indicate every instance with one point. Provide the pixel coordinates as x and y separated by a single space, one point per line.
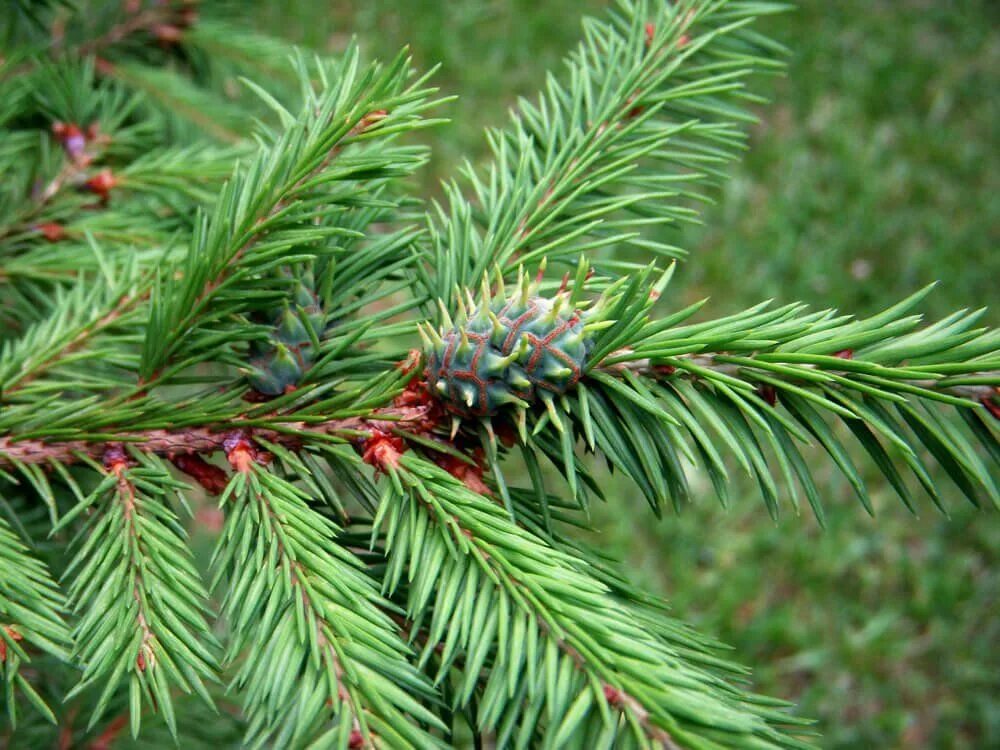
875 170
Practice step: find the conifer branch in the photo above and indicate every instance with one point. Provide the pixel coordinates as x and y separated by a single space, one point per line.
768 378
493 587
141 604
318 644
31 608
88 311
212 438
279 195
652 101
158 319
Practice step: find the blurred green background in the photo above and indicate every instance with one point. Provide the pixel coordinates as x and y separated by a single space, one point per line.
875 170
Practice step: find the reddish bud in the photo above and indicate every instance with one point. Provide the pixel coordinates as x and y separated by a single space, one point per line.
470 474
106 740
356 741
844 354
416 396
210 518
768 393
683 41
411 363
382 450
103 66
664 370
115 459
73 141
14 635
209 476
166 34
992 406
102 183
612 695
505 431
240 451
187 17
650 33
51 231
371 119
633 111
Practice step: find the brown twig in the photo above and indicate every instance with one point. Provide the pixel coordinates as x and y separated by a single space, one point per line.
206 439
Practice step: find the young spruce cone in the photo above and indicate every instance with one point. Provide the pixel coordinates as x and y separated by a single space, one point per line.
278 363
507 350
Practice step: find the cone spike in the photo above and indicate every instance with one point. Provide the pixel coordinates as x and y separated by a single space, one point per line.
552 314
468 394
501 290
471 301
442 387
539 275
455 424
558 303
519 381
466 345
497 325
488 425
428 344
522 424
497 363
484 289
434 335
444 314
550 407
509 398
462 311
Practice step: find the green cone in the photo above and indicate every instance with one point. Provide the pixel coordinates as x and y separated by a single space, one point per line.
279 363
507 350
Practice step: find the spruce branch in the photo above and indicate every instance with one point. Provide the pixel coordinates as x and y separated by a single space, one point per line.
159 320
31 618
515 608
319 645
142 607
652 100
776 376
211 439
104 309
268 210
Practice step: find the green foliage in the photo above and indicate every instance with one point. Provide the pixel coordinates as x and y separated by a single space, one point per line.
311 632
31 605
142 609
381 578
